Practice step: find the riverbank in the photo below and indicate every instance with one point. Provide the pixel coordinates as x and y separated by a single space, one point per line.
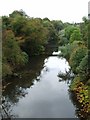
40 93
81 92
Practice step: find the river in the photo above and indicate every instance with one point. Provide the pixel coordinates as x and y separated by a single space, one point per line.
38 93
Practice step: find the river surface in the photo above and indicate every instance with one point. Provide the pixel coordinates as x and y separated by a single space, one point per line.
38 93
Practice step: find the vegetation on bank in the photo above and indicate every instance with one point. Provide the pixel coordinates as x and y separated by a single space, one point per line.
23 37
76 51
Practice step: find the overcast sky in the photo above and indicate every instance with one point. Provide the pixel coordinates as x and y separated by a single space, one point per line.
65 10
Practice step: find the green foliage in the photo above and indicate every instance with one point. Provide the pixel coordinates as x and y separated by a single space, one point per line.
76 57
18 24
24 36
34 31
74 83
32 47
18 13
6 70
84 30
65 51
5 22
76 44
88 35
82 95
24 57
52 37
58 25
85 19
69 30
11 49
63 40
82 68
12 55
77 52
75 36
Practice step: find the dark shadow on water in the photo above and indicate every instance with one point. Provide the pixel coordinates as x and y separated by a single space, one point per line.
14 87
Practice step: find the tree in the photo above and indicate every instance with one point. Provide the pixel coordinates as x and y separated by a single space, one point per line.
19 24
85 19
18 13
76 57
52 33
6 22
35 37
83 66
63 40
58 24
69 30
76 36
12 55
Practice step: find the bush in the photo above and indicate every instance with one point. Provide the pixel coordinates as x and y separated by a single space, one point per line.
12 55
65 51
6 69
76 57
75 36
82 68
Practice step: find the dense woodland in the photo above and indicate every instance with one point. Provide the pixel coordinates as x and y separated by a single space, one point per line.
76 51
24 37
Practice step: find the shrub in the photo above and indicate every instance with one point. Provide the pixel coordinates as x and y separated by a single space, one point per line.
76 57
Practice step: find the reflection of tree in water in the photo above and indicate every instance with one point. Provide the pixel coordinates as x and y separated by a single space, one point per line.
18 85
6 109
10 100
14 95
27 75
67 76
80 112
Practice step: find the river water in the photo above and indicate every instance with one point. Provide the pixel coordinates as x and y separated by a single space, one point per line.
38 93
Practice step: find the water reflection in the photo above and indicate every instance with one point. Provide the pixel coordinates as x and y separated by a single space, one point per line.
38 91
67 76
7 110
27 76
16 88
81 110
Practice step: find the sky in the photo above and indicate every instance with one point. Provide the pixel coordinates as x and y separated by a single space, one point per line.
65 10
